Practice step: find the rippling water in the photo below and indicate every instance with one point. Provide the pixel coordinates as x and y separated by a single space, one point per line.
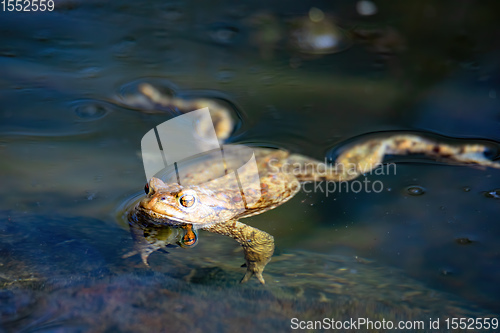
427 245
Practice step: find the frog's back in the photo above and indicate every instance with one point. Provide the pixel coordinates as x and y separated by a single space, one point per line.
253 178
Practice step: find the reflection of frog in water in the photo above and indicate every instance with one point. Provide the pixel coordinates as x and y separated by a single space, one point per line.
214 205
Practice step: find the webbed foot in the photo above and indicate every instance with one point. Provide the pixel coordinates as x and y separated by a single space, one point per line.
259 248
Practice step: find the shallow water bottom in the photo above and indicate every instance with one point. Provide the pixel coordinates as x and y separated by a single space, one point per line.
68 275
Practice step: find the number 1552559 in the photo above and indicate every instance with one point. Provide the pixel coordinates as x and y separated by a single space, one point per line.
27 5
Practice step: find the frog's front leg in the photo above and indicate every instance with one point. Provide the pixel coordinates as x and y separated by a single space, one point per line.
257 244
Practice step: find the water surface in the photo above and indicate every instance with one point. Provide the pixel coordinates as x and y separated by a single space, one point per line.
70 158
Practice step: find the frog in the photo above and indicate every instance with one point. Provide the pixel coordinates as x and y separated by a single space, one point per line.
213 204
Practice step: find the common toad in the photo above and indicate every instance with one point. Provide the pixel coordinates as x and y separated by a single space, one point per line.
214 204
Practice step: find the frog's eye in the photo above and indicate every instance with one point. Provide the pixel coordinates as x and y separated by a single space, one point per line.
187 200
146 188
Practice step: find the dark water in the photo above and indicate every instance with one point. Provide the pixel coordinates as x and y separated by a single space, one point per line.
426 246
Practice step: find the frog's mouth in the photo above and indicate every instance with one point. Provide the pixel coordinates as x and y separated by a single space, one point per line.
163 219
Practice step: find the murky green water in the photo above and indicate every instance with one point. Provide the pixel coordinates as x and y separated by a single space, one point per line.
426 246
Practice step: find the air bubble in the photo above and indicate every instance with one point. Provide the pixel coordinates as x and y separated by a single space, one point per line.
90 72
90 111
124 48
366 8
316 14
446 271
225 34
463 241
495 194
415 190
224 76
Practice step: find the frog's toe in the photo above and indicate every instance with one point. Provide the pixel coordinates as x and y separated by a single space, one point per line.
256 269
249 274
129 254
144 257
